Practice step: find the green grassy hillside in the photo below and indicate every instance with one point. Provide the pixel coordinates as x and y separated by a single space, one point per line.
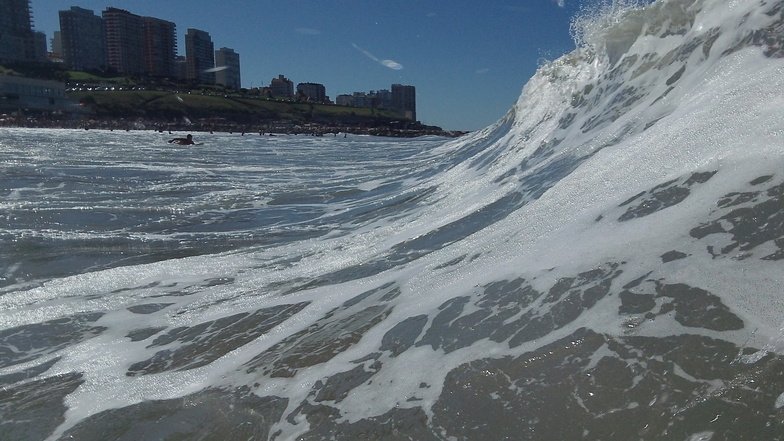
166 105
114 101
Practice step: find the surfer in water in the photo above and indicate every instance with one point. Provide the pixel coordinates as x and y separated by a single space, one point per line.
188 140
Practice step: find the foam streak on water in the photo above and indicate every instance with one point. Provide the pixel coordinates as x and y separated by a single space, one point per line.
602 263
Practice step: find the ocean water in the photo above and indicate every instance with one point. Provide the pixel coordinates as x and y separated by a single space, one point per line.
603 263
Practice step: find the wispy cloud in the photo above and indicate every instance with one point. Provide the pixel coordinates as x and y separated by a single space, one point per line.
391 64
394 65
482 71
215 69
561 3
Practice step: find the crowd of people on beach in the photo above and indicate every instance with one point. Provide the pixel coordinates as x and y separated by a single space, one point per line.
266 128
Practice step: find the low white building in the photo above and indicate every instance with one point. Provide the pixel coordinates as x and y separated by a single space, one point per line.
20 93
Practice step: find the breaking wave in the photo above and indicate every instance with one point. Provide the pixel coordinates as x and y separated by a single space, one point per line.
601 263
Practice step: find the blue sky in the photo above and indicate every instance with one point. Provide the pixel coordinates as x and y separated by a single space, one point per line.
468 59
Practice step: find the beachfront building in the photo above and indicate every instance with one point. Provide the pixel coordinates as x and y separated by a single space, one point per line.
18 40
344 100
160 46
136 44
200 56
19 93
228 63
404 101
312 92
382 99
81 39
56 46
361 99
38 48
376 99
282 87
180 67
55 54
123 39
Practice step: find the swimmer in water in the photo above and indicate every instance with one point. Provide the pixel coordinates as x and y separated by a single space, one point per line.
188 140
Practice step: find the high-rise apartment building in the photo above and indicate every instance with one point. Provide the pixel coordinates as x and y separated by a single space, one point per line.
124 43
200 56
228 62
404 101
81 39
57 43
15 18
18 41
160 46
37 49
136 44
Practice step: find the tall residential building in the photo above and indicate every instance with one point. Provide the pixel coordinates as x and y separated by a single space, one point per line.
81 39
180 67
136 44
37 48
124 43
282 87
404 101
229 76
314 92
55 54
160 46
18 41
57 43
200 56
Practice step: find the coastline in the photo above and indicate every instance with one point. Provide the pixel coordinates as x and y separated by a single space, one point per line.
155 107
283 127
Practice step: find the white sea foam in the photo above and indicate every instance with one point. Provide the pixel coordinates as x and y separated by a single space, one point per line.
628 110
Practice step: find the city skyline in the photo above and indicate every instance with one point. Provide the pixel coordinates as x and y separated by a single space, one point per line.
468 61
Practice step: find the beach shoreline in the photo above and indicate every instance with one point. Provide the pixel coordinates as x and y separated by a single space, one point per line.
404 130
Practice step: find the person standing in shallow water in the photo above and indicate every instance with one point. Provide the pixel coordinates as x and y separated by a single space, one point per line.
188 140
